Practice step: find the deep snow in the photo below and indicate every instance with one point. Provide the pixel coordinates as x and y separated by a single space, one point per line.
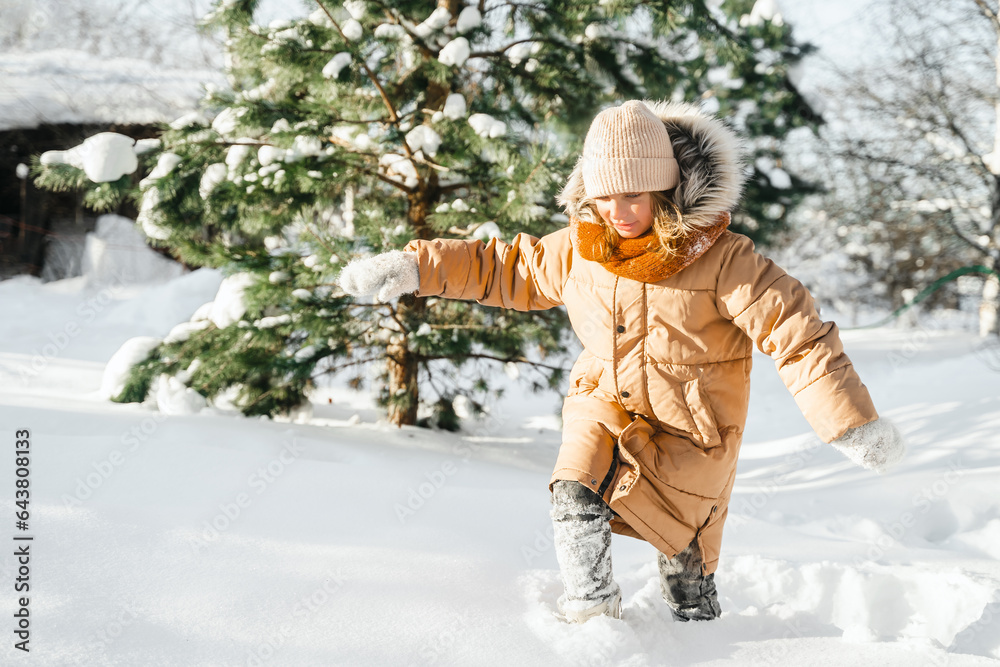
213 539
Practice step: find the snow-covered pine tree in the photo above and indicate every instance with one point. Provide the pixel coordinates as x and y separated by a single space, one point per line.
364 125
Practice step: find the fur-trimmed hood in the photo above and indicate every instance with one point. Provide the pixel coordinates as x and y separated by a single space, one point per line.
710 157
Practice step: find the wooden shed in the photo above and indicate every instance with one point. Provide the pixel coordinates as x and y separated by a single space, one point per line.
53 100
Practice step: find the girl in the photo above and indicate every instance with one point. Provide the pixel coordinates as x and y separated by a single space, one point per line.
668 305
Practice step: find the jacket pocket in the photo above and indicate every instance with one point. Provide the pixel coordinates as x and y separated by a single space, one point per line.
669 396
701 413
585 374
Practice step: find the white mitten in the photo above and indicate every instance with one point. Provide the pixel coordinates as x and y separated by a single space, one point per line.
877 445
386 275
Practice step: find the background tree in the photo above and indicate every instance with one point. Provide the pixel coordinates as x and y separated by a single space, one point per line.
914 161
162 33
362 126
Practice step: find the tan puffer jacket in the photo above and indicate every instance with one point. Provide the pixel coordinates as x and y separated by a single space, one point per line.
657 401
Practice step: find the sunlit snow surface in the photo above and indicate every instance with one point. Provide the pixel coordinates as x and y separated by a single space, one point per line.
212 539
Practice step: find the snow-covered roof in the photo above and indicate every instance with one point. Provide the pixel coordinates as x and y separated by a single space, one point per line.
67 86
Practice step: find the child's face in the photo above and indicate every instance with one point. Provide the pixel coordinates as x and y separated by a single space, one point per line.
630 215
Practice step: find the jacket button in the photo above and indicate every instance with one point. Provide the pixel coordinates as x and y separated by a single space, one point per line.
714 507
621 329
593 481
621 488
625 394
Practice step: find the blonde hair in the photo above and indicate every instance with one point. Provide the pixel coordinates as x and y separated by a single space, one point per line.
669 226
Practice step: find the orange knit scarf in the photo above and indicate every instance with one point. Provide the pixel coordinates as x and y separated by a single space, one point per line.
633 259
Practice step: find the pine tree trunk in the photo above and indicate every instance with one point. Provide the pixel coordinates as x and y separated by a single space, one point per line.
402 365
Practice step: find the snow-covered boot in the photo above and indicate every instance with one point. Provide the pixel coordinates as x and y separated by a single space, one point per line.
582 540
690 595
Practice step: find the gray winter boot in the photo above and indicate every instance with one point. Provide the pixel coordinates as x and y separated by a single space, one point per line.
582 540
690 595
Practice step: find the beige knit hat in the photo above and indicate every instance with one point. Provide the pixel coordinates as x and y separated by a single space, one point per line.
627 149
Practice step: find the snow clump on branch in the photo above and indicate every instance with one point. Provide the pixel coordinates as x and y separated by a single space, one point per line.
352 30
438 19
519 52
104 157
116 371
397 165
164 165
763 11
487 126
230 302
454 107
390 31
214 174
468 19
356 8
225 123
332 69
455 52
423 138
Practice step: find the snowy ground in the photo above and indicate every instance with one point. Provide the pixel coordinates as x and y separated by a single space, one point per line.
219 540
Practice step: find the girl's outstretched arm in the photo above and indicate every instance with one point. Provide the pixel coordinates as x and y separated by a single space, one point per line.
526 274
778 314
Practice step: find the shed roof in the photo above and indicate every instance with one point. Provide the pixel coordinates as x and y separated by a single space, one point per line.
67 86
